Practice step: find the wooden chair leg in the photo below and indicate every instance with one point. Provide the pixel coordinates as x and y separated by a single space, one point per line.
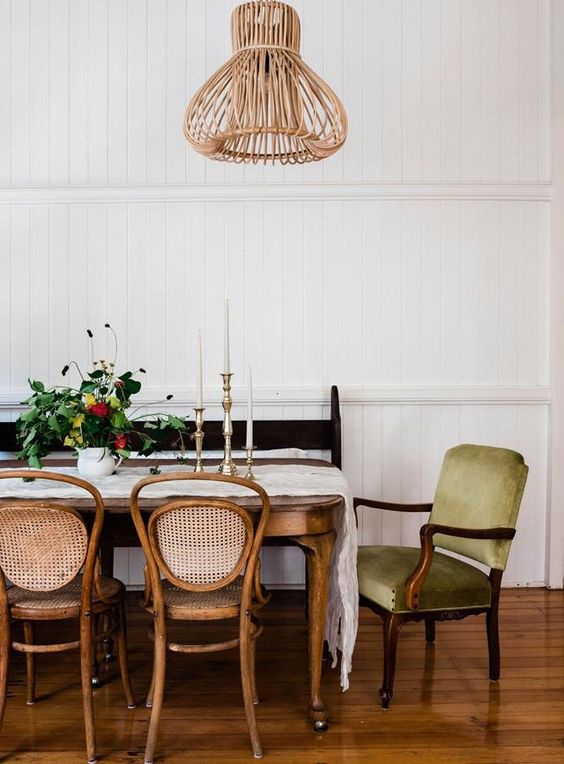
253 656
122 654
492 626
4 660
151 693
86 645
430 630
95 666
245 650
29 663
392 625
159 671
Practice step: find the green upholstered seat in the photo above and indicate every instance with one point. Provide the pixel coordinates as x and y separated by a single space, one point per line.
450 584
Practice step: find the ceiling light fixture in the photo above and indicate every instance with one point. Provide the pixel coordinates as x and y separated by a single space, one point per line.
265 104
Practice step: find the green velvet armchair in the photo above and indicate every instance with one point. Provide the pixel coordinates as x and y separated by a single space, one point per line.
474 515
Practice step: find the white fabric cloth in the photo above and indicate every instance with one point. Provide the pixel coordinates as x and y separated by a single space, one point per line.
277 480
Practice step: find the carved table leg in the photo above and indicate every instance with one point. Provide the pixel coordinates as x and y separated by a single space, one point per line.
318 550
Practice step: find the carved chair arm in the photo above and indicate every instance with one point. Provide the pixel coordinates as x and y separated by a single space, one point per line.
377 504
415 581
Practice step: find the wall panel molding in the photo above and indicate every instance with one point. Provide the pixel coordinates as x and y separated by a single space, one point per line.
349 396
245 192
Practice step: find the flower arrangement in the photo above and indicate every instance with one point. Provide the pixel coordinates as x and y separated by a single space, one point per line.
94 414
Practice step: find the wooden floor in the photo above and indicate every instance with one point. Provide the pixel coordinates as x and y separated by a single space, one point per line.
444 709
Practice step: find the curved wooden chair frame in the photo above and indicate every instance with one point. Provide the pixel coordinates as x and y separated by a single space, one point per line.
88 612
252 595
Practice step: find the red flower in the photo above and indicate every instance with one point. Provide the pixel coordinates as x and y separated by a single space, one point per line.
99 409
120 441
119 383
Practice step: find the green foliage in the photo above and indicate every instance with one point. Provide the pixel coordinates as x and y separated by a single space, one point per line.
92 415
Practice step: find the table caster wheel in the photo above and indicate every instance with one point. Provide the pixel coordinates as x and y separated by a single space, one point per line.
320 726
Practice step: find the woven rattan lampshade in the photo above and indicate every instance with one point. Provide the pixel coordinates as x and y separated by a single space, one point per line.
265 104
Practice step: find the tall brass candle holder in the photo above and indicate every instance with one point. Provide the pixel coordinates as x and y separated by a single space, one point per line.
199 438
249 450
227 466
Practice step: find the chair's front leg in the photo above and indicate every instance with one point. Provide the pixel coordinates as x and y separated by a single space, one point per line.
86 646
392 625
493 642
4 658
157 688
29 663
122 654
247 681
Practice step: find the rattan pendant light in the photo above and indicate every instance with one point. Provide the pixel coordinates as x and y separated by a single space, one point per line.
265 104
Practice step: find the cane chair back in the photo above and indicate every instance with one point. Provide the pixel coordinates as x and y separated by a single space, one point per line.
42 547
201 545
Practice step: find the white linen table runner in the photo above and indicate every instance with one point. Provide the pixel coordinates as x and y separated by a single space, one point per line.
277 480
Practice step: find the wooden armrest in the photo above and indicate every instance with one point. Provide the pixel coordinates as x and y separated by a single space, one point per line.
377 504
415 581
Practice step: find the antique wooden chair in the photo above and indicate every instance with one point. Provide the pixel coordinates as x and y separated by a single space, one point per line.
207 549
51 562
473 514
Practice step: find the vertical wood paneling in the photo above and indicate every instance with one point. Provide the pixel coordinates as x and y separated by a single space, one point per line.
137 33
39 95
176 287
20 81
79 111
98 77
5 91
156 92
118 94
470 105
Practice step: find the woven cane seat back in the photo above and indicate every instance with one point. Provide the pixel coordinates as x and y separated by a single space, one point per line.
200 546
42 547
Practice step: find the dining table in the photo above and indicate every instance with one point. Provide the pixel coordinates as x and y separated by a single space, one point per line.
311 507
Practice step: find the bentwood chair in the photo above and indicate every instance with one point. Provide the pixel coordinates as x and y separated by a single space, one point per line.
474 515
207 549
51 562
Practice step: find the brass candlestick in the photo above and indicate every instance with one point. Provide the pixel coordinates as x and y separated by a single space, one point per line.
199 438
227 466
249 450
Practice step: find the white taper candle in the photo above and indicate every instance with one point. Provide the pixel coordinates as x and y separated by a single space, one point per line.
226 362
199 384
249 443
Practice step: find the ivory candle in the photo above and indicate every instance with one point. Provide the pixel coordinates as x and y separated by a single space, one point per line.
226 361
249 443
199 381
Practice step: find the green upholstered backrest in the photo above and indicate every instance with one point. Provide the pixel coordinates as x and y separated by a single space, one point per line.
479 487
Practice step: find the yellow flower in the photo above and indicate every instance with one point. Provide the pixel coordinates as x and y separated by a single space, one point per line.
90 399
68 441
114 402
77 420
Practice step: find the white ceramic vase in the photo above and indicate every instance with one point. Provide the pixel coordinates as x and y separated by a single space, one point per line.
96 462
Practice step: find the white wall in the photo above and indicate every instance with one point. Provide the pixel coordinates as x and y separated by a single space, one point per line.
411 269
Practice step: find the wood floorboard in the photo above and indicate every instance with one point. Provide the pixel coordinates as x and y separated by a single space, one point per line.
444 708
